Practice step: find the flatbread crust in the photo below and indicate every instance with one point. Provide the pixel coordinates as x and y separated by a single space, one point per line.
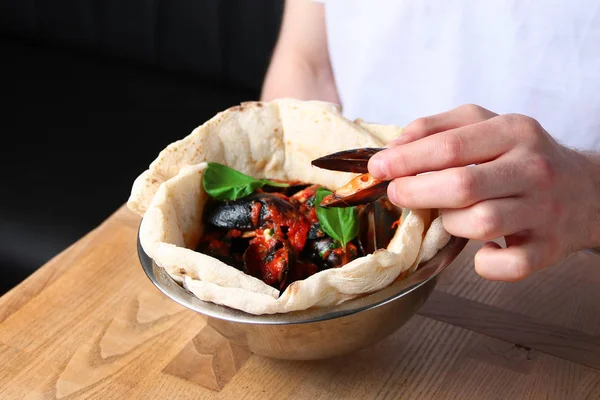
276 140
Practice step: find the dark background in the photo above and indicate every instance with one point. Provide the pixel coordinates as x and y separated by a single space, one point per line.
92 90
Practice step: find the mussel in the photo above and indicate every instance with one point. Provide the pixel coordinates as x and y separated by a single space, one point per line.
269 257
378 217
322 253
275 228
362 189
250 212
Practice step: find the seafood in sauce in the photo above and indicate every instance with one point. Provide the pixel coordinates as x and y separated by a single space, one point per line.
275 235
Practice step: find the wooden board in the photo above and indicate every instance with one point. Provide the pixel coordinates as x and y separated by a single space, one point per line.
90 325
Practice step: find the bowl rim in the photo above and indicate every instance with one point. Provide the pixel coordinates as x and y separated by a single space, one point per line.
426 272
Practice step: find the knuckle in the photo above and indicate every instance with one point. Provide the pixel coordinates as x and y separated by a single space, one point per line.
452 147
526 128
488 221
473 110
530 124
419 125
543 171
465 187
516 119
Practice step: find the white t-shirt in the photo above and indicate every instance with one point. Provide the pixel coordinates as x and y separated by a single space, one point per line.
397 60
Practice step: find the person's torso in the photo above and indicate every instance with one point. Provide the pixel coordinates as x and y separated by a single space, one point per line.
395 61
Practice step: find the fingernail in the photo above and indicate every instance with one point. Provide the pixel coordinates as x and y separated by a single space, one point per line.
377 168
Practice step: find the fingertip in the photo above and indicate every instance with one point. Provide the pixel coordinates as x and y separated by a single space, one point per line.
391 194
483 258
377 167
494 263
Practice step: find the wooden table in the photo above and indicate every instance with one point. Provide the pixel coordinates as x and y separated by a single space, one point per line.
89 324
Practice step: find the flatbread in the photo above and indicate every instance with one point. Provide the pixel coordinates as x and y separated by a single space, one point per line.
276 140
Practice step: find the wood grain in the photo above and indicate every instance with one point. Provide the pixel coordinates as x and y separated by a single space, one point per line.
516 328
90 325
209 360
565 294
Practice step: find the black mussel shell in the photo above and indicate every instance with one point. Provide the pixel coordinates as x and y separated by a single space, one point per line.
237 214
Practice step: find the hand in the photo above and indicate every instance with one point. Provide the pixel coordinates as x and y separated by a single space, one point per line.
496 176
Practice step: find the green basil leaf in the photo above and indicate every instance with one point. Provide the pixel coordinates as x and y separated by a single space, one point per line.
224 183
339 223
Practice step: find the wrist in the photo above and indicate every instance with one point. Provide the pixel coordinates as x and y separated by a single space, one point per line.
593 161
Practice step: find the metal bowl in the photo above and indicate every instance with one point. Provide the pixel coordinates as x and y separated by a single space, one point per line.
316 333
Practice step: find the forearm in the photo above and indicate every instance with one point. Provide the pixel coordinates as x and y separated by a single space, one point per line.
291 76
300 67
